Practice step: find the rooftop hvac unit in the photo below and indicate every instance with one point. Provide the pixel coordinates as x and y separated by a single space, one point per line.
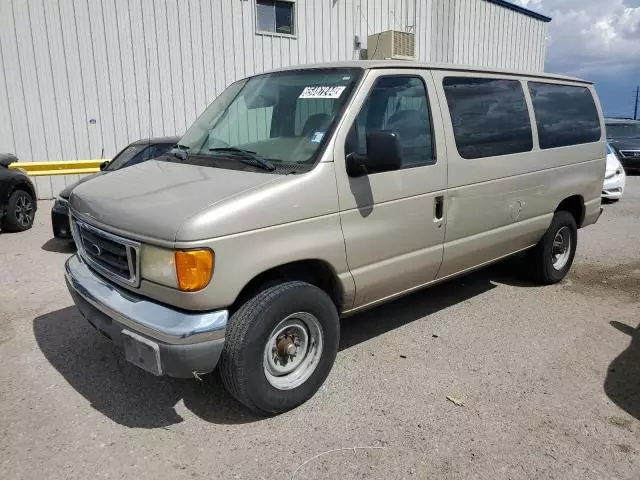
391 44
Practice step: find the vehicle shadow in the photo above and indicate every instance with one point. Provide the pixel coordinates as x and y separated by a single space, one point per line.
622 384
124 393
413 307
134 398
59 245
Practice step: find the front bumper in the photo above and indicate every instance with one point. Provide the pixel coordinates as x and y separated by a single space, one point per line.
613 187
155 337
60 220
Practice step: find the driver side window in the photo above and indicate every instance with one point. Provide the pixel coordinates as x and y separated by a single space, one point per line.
398 104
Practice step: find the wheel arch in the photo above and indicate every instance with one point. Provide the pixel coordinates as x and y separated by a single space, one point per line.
575 206
24 185
314 271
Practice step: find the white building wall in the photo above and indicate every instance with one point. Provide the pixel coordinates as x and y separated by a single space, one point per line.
80 79
479 32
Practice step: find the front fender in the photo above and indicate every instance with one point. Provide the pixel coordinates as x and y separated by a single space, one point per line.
239 258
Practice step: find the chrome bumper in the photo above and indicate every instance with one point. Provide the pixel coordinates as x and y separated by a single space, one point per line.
144 316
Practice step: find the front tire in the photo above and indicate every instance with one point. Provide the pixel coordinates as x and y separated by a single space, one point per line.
280 347
553 256
21 210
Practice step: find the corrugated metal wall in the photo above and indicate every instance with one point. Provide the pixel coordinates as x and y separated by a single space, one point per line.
79 79
479 32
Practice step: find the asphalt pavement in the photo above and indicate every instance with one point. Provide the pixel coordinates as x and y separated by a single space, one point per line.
549 379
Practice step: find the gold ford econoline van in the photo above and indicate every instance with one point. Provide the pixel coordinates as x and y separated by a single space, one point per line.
310 193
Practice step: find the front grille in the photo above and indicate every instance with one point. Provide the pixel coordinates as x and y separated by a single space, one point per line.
113 256
630 153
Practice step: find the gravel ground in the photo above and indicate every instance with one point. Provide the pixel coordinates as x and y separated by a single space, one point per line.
549 377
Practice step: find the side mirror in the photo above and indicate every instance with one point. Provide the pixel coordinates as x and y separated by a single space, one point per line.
383 155
104 165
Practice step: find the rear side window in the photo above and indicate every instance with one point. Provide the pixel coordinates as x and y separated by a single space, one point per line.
565 114
489 116
125 156
152 151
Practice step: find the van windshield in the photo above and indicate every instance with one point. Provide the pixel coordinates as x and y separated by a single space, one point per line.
276 122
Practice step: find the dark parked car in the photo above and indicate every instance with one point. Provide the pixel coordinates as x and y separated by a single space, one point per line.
132 154
624 137
17 197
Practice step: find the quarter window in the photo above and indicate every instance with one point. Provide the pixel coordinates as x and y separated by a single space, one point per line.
275 16
399 104
565 114
489 116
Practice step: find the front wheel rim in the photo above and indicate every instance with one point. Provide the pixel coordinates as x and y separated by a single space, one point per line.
293 351
24 210
561 248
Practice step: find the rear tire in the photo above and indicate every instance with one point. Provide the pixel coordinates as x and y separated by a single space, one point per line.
553 256
21 210
279 347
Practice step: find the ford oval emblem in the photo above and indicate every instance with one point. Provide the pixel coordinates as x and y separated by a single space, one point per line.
94 249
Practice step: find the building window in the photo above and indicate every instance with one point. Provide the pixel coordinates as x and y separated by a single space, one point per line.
275 17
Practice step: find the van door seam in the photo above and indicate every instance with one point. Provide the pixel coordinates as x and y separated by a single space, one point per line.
444 158
344 239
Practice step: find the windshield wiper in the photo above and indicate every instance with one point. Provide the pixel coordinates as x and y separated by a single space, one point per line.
248 157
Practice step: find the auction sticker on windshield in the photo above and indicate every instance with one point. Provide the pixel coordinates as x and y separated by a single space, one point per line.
317 137
322 92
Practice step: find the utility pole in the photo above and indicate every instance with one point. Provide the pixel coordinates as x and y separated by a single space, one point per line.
635 110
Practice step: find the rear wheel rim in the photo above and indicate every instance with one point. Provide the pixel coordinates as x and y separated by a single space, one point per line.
24 210
293 351
561 248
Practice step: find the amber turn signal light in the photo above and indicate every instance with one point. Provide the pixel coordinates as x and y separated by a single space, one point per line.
194 269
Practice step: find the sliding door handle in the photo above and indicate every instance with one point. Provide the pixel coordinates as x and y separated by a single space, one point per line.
438 208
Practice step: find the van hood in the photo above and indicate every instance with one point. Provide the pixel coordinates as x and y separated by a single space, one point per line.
625 143
153 199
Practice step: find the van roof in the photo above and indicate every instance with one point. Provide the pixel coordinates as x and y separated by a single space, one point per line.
375 64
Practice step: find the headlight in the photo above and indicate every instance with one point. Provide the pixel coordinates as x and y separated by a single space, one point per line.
613 173
187 270
158 265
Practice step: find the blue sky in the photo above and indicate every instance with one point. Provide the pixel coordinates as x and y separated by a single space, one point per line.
598 40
